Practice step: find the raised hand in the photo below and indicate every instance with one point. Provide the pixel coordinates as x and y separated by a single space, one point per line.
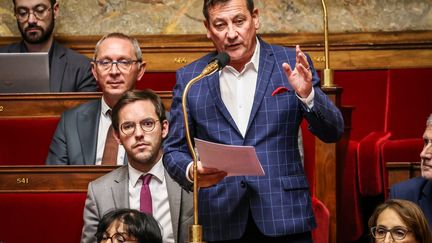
301 77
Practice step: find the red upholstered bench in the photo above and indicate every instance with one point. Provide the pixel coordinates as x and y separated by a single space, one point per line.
41 217
25 141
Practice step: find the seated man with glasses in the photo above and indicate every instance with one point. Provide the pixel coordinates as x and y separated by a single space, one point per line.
128 225
399 221
140 125
84 135
69 70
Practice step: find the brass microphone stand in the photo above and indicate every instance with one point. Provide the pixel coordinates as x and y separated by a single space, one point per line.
195 230
327 74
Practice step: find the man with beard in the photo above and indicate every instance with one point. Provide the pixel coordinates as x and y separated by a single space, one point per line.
69 70
140 125
419 189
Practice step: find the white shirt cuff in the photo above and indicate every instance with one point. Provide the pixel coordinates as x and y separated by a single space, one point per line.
187 172
308 101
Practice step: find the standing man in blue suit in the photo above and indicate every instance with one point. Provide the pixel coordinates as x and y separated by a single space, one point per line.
69 70
259 99
419 189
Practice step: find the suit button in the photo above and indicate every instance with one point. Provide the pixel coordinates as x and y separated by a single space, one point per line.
242 184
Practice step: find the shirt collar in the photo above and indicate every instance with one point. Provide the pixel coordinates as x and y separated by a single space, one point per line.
157 171
105 108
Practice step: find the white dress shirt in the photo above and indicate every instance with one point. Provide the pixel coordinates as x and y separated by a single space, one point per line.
238 90
104 124
159 194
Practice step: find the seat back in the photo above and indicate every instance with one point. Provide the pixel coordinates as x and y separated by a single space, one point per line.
366 91
25 141
409 103
41 217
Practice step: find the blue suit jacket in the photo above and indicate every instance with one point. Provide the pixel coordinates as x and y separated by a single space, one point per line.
417 190
279 201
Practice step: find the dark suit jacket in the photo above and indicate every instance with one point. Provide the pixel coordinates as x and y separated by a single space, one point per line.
69 71
279 201
75 139
111 192
417 190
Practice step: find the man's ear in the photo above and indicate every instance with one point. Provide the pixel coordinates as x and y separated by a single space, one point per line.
255 17
141 70
165 129
207 25
117 137
56 10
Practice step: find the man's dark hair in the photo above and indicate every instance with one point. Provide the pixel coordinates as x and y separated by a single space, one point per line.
52 2
137 95
210 3
137 224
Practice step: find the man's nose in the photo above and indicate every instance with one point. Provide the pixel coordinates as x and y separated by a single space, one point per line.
32 18
427 149
231 32
114 69
139 132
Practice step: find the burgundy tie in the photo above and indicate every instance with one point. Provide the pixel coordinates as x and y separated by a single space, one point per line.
109 156
145 196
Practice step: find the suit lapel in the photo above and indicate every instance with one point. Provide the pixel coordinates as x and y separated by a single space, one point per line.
425 200
265 70
120 189
214 89
174 198
88 124
58 67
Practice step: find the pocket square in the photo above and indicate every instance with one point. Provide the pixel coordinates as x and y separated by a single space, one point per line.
280 90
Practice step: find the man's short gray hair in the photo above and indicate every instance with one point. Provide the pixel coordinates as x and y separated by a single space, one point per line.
133 41
429 120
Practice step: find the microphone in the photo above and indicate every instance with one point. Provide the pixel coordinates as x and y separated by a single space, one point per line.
216 64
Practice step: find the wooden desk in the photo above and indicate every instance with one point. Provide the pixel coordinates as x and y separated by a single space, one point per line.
52 104
402 171
49 179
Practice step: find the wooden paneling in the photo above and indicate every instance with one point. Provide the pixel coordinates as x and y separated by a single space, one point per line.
348 51
401 171
49 178
52 104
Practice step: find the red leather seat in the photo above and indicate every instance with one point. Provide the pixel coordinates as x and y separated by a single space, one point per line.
25 141
41 217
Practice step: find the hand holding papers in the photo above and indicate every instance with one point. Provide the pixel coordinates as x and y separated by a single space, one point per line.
234 160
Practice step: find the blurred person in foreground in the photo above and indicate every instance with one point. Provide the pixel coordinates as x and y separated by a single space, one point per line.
128 225
399 221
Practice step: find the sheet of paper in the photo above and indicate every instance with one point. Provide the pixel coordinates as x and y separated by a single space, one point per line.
235 160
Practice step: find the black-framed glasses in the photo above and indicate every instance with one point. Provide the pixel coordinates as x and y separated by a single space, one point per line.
116 238
123 65
40 12
397 233
147 125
